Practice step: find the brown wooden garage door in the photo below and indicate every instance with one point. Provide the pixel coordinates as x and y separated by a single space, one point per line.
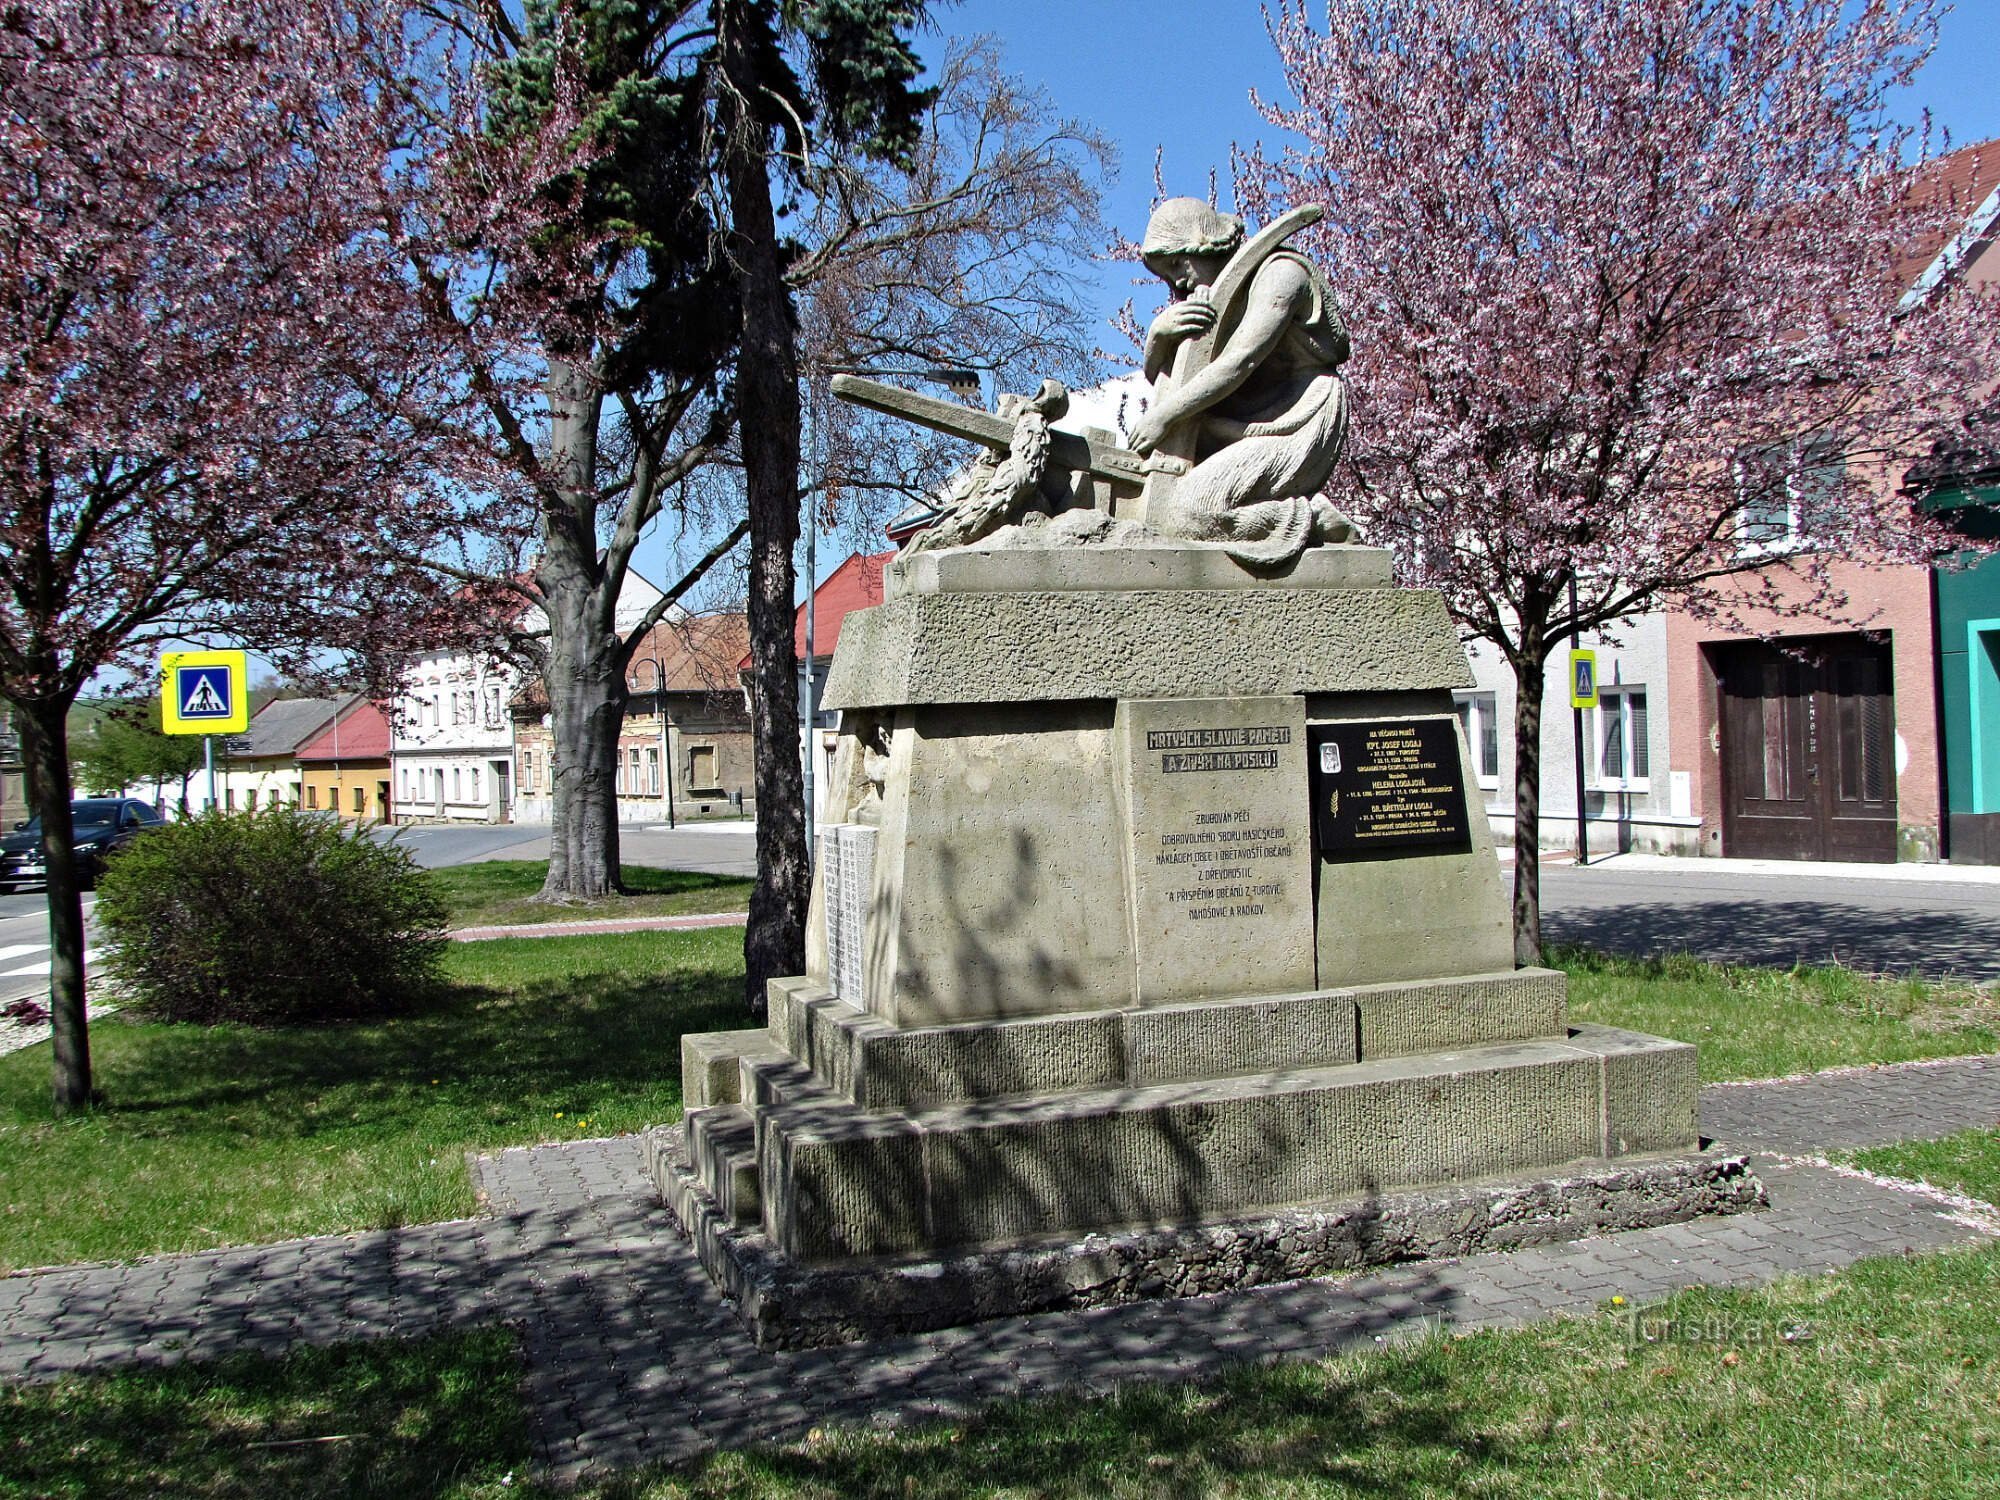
1808 750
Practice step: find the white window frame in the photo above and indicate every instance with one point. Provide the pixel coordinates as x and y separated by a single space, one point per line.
1483 705
1616 699
1799 459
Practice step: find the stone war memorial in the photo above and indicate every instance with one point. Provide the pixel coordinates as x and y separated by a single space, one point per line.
1157 945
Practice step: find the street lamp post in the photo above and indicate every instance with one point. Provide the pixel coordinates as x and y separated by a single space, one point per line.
666 750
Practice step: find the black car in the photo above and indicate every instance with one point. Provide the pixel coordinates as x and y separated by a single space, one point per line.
100 824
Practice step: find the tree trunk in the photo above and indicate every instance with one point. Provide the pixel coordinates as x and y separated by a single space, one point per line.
768 406
586 711
583 667
1530 665
45 753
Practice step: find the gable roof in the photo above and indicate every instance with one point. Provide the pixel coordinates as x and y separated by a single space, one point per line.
855 584
360 731
1969 178
281 726
696 654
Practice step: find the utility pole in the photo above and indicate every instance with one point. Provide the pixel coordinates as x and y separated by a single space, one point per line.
1576 735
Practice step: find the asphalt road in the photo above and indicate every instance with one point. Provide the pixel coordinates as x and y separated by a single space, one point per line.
1889 919
727 847
24 943
1878 921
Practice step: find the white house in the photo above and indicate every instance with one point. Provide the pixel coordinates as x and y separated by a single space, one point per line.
452 754
1632 800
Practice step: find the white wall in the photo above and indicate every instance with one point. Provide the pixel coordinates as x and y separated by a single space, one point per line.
1647 813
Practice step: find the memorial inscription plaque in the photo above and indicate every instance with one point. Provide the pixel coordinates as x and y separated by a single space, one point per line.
1380 785
1219 850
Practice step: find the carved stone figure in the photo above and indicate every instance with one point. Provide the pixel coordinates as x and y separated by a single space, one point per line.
1247 387
1247 419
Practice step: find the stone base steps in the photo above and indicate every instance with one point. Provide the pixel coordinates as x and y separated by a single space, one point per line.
787 1304
834 1181
876 1066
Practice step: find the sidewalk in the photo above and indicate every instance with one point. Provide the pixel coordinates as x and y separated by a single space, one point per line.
631 1356
603 925
1791 869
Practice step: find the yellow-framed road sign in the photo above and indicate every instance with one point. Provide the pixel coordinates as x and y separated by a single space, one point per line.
1583 679
205 692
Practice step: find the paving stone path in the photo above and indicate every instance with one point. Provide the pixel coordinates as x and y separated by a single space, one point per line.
631 1357
600 925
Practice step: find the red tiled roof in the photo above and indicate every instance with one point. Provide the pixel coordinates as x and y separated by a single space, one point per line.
695 655
359 731
855 584
1964 179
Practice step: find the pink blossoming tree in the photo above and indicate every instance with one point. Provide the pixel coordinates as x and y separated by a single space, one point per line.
215 403
1597 256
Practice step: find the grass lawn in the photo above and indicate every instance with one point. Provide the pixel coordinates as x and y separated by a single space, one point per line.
425 1417
1767 1023
1968 1162
235 1136
231 1135
1883 1380
500 892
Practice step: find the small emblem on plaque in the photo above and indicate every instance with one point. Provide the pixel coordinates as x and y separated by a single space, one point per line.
1329 758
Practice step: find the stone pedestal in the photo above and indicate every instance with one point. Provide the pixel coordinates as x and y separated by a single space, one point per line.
1160 906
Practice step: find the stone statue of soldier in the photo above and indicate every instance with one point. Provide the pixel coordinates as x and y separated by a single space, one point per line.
1263 420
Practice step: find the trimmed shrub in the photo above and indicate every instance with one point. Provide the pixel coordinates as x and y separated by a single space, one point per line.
269 917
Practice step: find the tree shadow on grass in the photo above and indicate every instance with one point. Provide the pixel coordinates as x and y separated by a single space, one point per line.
1393 1426
475 1050
1779 934
380 1419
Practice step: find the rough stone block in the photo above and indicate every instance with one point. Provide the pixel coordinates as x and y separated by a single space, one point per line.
1180 1153
1043 646
1413 914
1437 1015
1003 892
1168 1043
722 1147
788 1305
710 1063
781 1083
780 1000
918 1069
1651 1090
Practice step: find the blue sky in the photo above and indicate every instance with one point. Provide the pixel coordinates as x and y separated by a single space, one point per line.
1178 78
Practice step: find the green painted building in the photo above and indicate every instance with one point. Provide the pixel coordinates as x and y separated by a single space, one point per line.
1967 612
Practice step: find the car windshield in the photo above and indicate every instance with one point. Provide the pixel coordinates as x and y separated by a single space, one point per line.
87 814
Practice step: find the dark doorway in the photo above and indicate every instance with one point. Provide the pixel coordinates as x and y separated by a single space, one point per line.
1808 749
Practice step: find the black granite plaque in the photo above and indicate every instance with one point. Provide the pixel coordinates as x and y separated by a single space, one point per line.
1385 784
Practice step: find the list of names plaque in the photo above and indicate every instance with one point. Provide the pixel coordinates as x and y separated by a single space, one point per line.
1386 784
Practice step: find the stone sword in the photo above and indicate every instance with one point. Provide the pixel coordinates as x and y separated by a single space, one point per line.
1068 450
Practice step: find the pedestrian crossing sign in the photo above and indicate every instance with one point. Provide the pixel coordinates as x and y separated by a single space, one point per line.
205 692
1583 679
